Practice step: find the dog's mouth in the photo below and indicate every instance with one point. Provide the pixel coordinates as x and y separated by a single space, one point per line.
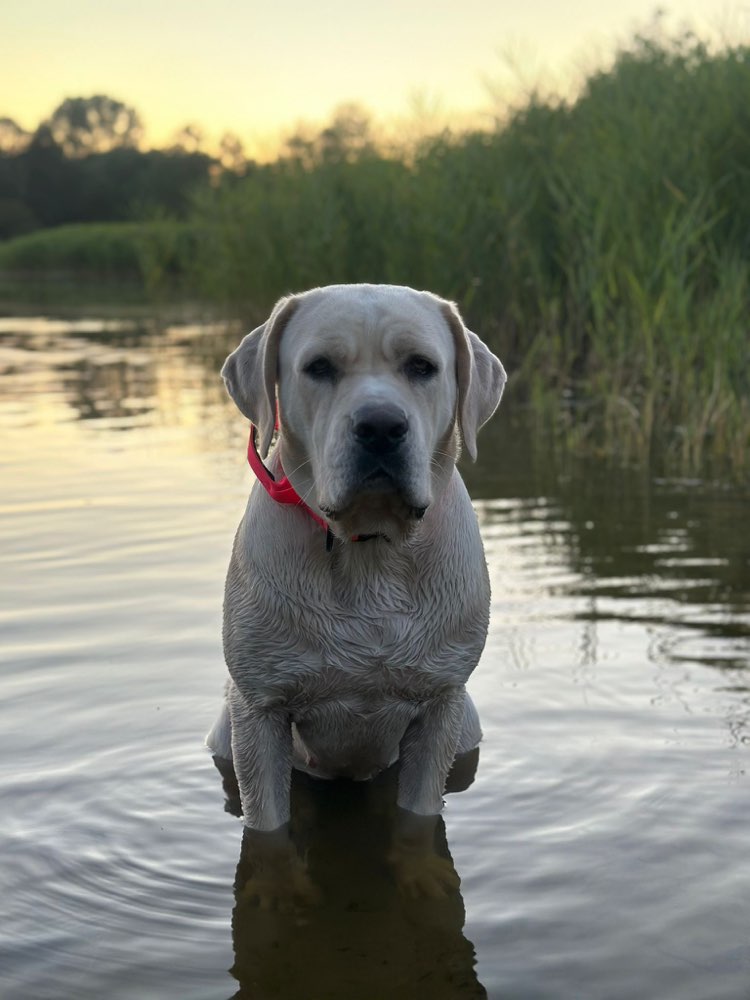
379 480
374 484
407 511
377 497
412 513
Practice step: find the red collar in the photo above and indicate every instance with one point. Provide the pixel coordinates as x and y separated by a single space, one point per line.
280 490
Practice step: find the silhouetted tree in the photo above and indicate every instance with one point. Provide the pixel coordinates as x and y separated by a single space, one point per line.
83 125
13 138
347 138
349 135
15 215
231 152
50 183
188 139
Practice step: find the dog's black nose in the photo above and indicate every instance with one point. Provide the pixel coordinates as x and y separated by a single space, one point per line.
380 429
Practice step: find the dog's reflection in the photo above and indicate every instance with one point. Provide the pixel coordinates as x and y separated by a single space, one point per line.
378 912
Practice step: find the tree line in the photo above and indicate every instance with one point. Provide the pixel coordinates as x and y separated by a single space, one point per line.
84 164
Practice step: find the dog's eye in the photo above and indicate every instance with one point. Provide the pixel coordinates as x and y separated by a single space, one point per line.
418 367
320 369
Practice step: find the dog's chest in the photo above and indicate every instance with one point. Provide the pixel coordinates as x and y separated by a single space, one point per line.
368 626
387 612
371 652
381 644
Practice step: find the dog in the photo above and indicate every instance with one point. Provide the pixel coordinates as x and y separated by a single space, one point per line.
357 597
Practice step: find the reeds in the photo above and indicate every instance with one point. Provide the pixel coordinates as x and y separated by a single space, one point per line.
602 246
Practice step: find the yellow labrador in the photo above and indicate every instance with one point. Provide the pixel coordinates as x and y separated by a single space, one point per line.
357 597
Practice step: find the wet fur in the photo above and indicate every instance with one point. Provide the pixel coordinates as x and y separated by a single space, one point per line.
342 662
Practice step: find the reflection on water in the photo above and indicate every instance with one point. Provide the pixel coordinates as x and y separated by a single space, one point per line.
362 937
602 848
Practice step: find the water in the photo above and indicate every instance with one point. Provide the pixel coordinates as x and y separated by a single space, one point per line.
604 846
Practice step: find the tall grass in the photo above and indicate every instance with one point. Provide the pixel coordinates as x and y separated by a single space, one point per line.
602 246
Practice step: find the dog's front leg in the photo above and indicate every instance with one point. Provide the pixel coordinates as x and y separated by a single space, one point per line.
262 756
426 754
427 751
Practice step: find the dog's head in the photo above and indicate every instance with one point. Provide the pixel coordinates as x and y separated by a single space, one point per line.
376 385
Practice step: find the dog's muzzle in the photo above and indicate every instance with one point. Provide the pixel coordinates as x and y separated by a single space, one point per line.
380 430
378 472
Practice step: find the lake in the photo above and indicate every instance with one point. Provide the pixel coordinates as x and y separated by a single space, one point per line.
603 845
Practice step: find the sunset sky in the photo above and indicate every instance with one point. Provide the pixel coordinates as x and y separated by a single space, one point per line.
258 69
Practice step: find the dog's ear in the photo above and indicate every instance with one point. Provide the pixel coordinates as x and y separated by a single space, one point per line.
250 372
481 379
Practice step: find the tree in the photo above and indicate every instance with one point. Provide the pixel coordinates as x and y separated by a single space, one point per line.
232 152
13 139
98 124
348 136
189 139
51 182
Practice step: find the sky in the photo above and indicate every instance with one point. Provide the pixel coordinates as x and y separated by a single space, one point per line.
259 69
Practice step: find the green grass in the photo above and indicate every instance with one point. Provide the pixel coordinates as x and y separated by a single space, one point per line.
146 259
95 248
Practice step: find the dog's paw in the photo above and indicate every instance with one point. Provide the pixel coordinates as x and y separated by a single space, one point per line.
423 873
278 880
284 889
